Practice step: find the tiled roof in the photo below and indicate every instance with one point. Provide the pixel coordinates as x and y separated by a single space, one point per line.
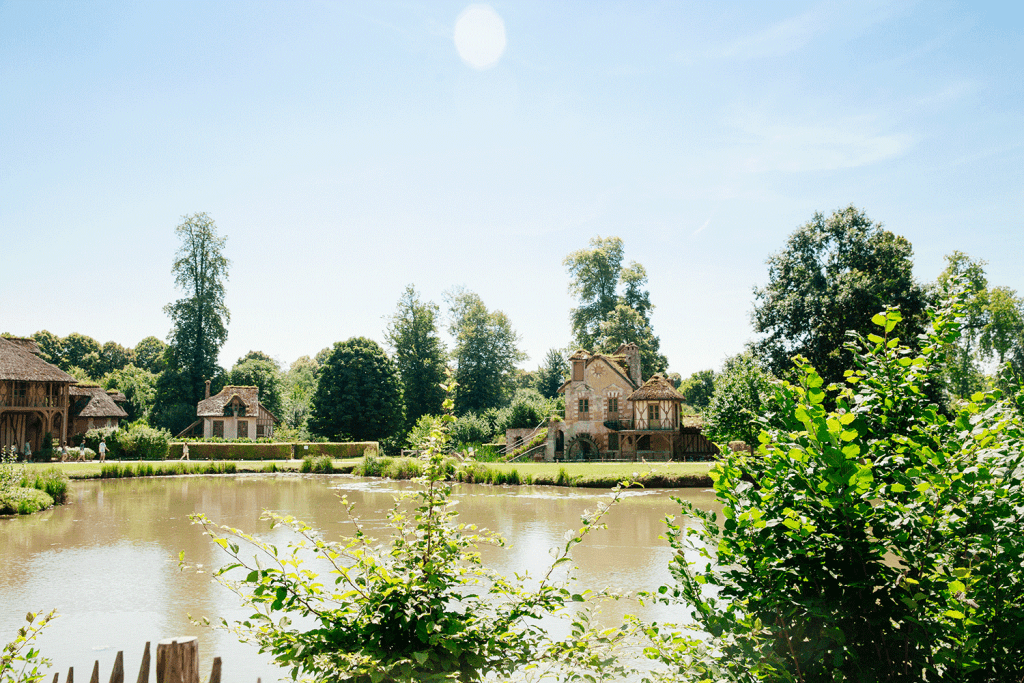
20 364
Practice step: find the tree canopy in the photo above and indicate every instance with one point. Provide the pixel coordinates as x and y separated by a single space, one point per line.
264 374
614 304
551 374
485 354
412 333
740 390
359 394
833 275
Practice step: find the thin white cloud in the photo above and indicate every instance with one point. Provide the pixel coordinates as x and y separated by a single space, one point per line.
780 38
824 146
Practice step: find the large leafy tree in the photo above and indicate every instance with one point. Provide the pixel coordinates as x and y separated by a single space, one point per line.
359 393
200 319
833 275
51 347
614 304
299 385
485 354
251 371
80 351
149 354
698 388
113 356
139 387
734 412
594 274
419 354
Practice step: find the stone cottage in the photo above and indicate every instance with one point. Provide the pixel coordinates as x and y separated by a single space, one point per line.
235 413
611 414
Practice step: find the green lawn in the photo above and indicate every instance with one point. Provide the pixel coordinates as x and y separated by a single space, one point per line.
608 470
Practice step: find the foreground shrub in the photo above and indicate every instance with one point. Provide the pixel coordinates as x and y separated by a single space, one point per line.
53 481
23 500
879 541
20 661
419 607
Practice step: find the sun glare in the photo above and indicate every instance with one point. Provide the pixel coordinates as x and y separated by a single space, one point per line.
480 36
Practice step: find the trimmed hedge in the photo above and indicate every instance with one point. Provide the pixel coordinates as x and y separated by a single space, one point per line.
338 451
232 451
247 450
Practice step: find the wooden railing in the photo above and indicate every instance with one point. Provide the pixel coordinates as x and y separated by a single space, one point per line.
26 402
177 661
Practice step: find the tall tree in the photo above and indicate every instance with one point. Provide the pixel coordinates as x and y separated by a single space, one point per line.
624 325
551 373
594 278
200 320
833 275
614 304
419 354
485 354
961 373
359 394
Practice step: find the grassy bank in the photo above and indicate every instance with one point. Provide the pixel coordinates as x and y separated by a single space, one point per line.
589 475
154 468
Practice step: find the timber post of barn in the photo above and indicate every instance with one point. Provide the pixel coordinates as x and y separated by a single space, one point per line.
177 661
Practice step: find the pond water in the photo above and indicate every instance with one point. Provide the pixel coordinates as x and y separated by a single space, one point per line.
108 561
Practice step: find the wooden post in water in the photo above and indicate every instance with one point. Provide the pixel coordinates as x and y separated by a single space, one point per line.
177 660
95 672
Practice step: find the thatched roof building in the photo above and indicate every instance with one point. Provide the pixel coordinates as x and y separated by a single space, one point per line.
19 363
657 388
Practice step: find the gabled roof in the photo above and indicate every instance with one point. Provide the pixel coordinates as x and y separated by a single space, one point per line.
19 363
94 402
214 406
116 396
657 388
619 364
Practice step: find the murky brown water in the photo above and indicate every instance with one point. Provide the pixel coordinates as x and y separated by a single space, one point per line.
108 561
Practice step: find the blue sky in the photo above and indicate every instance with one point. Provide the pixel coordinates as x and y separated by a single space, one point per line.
346 150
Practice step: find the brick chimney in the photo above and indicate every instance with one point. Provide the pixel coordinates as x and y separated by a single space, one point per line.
632 353
207 388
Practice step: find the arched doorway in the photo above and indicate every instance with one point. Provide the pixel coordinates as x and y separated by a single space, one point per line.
581 447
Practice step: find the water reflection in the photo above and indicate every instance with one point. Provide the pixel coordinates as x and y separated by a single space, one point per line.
108 562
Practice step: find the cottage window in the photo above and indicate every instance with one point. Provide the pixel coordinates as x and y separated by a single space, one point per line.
243 429
613 405
261 430
584 405
652 413
218 428
577 371
20 389
613 442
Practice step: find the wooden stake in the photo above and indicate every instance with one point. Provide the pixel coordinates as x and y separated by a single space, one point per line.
117 675
144 669
95 672
215 671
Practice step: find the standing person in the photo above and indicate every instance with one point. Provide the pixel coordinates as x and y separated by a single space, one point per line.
184 453
28 452
81 452
103 450
63 451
